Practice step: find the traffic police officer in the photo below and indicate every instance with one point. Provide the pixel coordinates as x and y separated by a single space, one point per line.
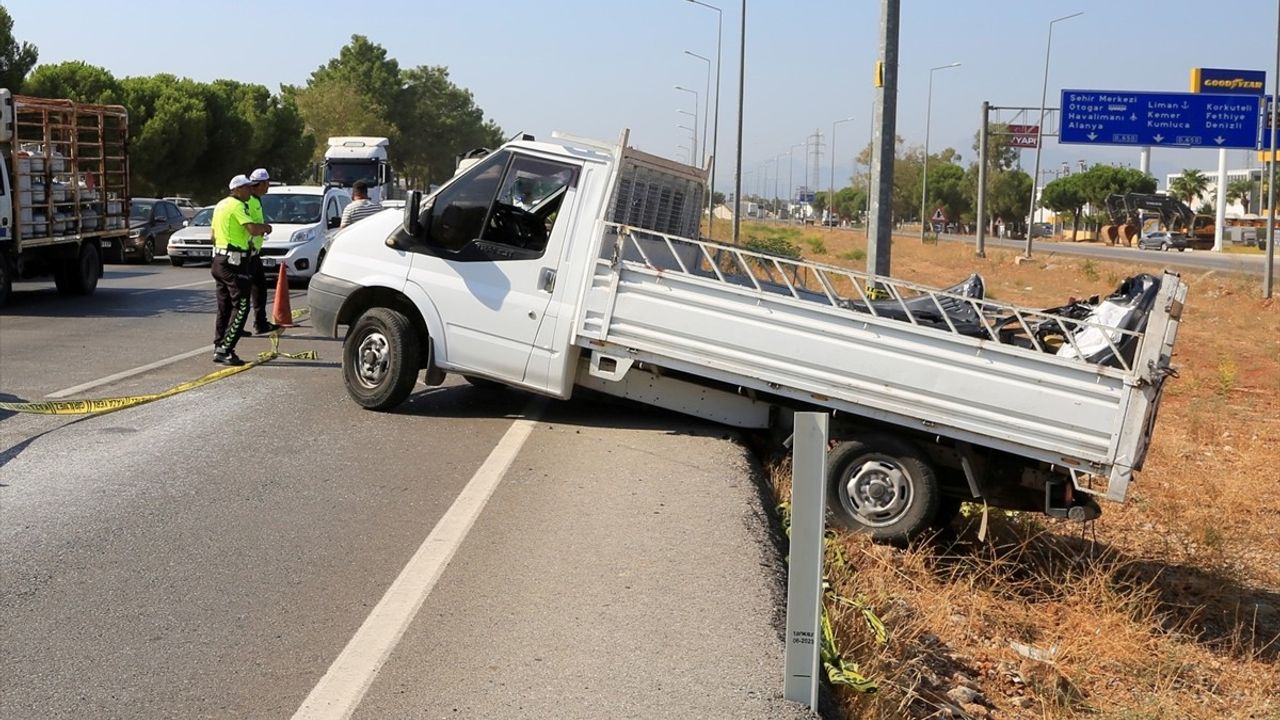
257 277
233 231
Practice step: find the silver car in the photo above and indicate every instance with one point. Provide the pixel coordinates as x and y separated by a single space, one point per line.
193 242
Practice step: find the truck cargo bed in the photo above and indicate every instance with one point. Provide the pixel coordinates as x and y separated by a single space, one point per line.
1074 393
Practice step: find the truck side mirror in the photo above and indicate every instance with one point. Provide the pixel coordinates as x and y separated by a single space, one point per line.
411 223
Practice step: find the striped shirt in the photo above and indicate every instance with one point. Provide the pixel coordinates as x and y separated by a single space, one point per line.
359 210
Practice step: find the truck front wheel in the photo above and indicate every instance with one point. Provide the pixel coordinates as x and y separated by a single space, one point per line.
380 359
883 486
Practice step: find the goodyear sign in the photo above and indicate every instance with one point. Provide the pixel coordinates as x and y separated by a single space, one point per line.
1218 81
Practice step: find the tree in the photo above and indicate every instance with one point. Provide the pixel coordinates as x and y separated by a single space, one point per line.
16 60
1065 194
438 121
365 65
75 80
337 106
1189 185
429 119
949 190
1002 154
1009 196
1100 181
1240 191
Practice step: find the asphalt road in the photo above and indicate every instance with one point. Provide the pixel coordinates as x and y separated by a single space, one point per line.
261 547
1202 260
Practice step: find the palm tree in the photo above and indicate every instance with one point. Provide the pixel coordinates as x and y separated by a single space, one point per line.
1240 190
1189 185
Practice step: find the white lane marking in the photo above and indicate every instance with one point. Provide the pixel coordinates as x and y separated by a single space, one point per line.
130 373
342 688
173 287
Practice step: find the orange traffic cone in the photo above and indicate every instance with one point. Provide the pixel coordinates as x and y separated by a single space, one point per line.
281 313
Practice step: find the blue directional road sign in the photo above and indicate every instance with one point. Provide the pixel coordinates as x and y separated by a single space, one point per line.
1123 117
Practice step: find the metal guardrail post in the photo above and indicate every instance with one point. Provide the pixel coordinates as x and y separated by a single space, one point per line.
804 564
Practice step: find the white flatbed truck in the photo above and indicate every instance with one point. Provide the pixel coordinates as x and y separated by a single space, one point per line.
552 266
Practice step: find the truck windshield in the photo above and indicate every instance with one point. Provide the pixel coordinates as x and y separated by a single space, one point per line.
348 173
292 209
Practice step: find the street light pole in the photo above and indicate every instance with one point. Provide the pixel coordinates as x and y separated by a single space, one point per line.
1044 89
831 191
695 117
694 134
706 98
791 178
715 124
777 164
924 180
706 101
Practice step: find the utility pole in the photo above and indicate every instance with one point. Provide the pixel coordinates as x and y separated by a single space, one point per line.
880 227
742 84
1269 271
981 250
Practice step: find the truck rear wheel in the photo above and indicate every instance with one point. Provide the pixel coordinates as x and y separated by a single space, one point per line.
79 276
6 279
883 486
380 359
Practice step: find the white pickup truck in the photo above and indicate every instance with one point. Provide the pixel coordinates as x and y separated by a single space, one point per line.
555 265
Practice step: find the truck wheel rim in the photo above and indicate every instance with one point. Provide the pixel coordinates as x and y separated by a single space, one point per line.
372 358
877 493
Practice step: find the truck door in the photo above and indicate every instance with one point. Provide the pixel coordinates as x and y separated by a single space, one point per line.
495 238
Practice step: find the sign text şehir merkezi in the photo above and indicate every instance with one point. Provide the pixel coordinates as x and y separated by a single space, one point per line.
1122 117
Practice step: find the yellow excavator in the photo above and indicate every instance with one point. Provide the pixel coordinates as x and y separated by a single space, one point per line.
1133 214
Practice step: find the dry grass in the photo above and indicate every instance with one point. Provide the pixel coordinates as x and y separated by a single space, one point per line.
1166 607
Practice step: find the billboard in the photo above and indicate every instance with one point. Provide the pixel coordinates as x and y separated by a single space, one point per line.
1024 136
1219 81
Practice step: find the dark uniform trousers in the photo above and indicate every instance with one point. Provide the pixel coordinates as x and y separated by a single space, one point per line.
258 293
232 285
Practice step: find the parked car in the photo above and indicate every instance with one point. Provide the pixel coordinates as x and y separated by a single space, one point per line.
193 242
186 206
302 217
151 223
1162 240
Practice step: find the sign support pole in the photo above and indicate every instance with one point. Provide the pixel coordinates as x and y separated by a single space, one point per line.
1221 218
1144 160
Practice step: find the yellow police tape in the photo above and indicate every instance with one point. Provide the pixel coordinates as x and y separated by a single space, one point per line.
107 405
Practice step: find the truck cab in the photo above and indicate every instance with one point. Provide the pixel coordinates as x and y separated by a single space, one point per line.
348 160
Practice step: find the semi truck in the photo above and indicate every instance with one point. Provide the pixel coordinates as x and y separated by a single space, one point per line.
572 264
348 160
65 182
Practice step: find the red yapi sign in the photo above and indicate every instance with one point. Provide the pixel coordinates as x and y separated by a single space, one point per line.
1024 136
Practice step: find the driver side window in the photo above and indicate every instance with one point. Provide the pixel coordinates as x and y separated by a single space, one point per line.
458 212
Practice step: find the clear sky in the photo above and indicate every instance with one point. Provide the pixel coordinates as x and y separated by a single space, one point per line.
593 67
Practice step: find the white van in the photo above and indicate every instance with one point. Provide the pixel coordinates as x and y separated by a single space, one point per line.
302 217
